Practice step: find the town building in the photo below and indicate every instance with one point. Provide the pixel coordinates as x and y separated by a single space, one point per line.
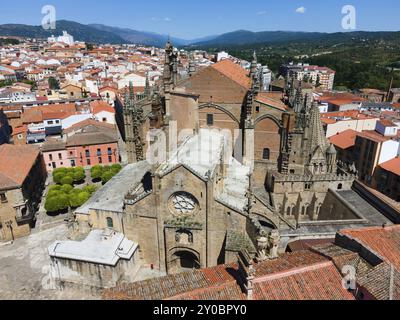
82 147
387 178
372 149
22 178
321 77
77 262
5 129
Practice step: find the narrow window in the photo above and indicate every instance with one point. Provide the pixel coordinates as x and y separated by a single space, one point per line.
210 119
110 223
266 154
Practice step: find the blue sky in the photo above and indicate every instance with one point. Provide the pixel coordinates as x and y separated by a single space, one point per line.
193 18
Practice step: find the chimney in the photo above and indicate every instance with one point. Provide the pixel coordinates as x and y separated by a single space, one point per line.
246 273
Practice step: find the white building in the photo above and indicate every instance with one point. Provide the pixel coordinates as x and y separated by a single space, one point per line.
136 80
387 128
65 38
222 55
102 260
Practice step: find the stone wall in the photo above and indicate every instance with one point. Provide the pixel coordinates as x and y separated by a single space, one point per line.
94 275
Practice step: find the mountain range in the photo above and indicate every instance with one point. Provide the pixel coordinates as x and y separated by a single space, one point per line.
99 33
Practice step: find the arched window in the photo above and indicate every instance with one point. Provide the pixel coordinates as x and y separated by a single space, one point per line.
340 186
266 154
184 237
110 223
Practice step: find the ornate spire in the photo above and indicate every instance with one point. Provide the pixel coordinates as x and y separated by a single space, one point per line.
253 66
147 87
127 101
316 136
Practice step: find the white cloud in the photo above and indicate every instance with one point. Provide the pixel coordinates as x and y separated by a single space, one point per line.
301 10
260 13
166 19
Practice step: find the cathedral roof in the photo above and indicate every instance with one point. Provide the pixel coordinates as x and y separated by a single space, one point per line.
199 153
234 71
295 276
223 82
110 197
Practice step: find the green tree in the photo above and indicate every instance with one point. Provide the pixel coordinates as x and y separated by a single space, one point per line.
116 167
96 172
83 197
54 84
318 83
106 176
76 199
53 193
90 189
79 174
57 177
52 204
67 180
63 201
66 188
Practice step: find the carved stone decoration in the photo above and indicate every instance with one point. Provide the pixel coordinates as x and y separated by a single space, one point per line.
262 245
273 242
183 203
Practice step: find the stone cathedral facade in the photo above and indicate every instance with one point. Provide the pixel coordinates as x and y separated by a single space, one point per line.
204 203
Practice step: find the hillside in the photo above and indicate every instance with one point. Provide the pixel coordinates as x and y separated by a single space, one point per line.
246 38
80 32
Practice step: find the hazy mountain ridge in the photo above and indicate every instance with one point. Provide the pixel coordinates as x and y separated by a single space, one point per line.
99 33
244 37
80 32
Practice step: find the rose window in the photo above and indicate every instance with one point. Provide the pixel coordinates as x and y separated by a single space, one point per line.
183 203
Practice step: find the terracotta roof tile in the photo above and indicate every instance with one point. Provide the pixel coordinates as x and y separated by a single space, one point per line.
272 100
234 72
345 139
392 166
15 164
321 281
383 241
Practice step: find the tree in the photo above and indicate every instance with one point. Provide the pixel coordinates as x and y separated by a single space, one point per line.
53 193
63 201
57 203
52 204
79 174
54 84
318 83
83 197
66 188
67 180
106 176
90 189
57 176
96 172
116 166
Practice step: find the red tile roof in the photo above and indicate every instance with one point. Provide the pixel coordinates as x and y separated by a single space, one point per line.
15 164
300 275
272 100
321 281
100 106
373 135
392 166
234 72
384 241
345 139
